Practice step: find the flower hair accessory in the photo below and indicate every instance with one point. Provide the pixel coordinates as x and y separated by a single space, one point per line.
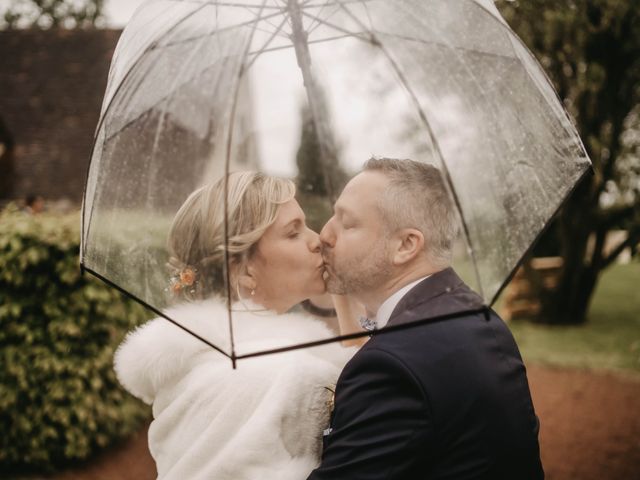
185 280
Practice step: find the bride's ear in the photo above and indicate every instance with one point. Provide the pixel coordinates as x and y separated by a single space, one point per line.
242 275
247 281
247 277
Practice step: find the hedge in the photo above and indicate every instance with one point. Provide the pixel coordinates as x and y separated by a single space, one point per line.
59 398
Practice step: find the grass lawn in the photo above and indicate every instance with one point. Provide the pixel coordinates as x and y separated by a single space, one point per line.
610 339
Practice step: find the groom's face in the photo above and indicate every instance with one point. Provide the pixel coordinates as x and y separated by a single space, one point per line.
355 240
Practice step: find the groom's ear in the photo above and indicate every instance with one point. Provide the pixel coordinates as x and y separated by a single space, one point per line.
409 244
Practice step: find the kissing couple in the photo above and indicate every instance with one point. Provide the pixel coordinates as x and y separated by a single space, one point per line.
443 399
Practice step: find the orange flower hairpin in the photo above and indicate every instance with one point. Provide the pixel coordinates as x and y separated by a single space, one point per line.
185 279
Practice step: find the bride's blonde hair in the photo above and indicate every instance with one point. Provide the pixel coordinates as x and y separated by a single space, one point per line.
197 236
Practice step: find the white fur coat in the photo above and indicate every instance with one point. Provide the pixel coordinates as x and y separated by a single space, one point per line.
263 420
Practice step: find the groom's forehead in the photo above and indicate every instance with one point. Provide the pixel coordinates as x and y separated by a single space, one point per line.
366 185
367 180
362 192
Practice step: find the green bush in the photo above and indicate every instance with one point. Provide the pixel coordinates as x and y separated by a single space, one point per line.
59 397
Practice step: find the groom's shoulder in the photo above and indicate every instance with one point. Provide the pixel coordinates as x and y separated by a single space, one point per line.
470 341
442 325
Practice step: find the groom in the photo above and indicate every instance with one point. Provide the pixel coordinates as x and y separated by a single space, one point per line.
447 398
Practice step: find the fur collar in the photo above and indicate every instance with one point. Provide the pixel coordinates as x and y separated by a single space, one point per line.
158 352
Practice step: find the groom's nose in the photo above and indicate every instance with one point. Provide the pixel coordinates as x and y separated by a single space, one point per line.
327 235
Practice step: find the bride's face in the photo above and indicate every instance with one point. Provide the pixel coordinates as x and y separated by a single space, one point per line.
287 266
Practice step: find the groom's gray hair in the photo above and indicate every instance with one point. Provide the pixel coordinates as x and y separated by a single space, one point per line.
417 197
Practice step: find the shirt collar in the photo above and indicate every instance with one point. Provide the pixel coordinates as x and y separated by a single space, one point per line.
389 305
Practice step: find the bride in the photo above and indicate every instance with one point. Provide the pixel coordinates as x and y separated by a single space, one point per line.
265 419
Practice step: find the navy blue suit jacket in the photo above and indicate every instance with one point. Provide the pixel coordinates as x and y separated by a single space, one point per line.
447 399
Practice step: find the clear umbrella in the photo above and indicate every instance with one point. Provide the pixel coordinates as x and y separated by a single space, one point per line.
298 88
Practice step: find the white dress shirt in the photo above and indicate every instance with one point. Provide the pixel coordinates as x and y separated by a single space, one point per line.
387 307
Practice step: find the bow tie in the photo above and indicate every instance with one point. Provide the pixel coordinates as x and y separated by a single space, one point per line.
368 324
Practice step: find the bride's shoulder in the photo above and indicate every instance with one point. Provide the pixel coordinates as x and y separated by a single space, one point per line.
157 351
297 371
161 334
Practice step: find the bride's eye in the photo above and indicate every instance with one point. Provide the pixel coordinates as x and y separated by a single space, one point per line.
294 234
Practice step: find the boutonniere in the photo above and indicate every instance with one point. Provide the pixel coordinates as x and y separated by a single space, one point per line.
330 403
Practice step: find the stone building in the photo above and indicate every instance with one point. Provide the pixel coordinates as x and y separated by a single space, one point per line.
51 88
52 83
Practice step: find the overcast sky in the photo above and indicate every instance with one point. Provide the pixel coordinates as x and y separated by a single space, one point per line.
118 12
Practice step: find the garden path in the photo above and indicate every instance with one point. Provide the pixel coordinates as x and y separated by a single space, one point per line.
590 430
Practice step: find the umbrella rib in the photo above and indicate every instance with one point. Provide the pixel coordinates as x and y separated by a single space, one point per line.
155 310
319 40
160 126
407 37
205 70
224 29
310 27
141 29
473 77
511 35
471 74
452 47
229 4
307 27
350 13
318 24
544 229
160 100
108 107
163 114
481 309
318 5
264 47
226 184
273 32
266 20
340 29
366 9
435 143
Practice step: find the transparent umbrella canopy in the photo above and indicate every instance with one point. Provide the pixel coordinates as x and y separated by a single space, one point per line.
309 90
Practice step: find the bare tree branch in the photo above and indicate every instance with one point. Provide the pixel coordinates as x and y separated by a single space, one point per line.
632 241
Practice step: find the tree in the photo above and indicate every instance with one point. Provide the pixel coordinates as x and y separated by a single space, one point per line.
310 171
591 51
318 160
51 13
313 194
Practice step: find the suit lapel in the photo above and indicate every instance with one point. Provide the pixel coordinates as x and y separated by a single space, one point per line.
443 293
